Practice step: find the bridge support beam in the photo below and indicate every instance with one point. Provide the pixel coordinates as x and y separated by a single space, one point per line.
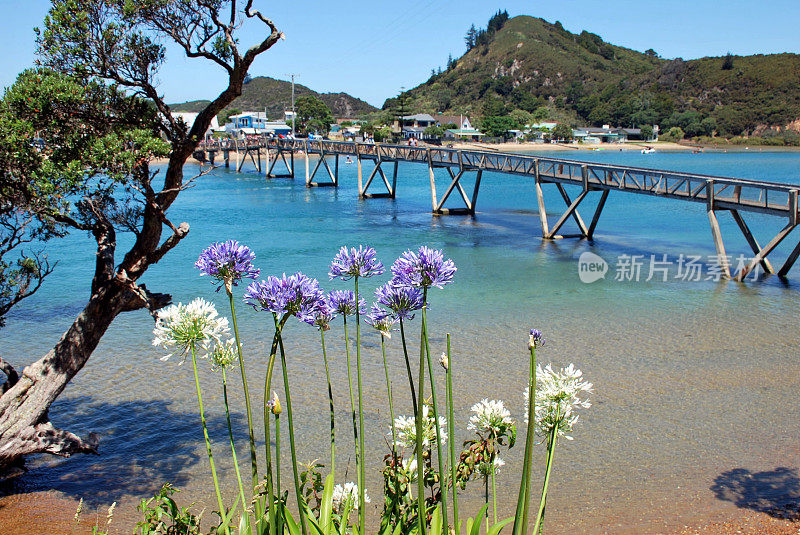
572 208
470 202
334 176
762 253
280 154
378 170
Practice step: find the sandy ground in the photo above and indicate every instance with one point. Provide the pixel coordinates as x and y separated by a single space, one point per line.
51 513
571 147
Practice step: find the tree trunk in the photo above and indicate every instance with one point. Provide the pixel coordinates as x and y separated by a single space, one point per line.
24 423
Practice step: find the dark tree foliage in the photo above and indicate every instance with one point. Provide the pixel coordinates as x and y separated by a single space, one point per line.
469 39
495 24
91 170
313 115
652 53
727 63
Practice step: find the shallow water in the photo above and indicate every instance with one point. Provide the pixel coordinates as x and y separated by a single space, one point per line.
695 381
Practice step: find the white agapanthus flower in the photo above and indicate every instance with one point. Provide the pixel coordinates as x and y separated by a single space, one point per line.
346 495
181 326
558 395
224 354
406 427
491 417
483 468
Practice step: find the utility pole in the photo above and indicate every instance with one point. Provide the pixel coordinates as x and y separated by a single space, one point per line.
293 112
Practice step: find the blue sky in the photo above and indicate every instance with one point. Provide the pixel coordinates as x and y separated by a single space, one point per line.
372 49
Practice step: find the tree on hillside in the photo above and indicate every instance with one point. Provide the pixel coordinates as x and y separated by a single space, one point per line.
727 63
470 37
497 21
313 115
92 171
652 53
563 132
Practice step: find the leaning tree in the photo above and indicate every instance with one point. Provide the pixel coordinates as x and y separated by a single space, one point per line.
76 137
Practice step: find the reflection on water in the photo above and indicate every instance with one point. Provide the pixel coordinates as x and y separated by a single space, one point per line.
691 378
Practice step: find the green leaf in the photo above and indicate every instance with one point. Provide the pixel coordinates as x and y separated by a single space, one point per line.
292 526
436 521
475 529
496 528
326 507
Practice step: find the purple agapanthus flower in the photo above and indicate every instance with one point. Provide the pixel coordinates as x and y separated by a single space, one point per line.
402 300
536 339
343 302
423 269
228 262
383 320
296 295
350 263
323 315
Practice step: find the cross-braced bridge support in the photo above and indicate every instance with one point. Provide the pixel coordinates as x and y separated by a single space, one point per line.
760 253
376 171
572 207
254 152
280 154
470 201
322 162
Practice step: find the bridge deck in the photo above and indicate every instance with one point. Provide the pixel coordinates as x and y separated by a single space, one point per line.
725 193
717 193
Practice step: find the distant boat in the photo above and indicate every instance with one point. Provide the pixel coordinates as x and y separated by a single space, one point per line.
648 150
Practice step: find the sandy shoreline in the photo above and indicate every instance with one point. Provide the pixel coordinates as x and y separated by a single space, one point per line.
51 512
565 149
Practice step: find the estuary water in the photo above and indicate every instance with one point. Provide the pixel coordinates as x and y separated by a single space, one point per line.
694 410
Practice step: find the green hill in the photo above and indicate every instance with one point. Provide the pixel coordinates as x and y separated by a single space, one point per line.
531 64
276 96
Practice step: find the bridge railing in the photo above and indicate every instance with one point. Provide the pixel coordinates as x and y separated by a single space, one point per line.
725 192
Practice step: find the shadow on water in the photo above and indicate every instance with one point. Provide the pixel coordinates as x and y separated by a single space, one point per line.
143 444
773 492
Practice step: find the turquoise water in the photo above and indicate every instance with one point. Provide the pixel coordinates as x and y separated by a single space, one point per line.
692 379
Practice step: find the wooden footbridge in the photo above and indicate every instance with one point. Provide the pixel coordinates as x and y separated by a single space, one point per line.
718 194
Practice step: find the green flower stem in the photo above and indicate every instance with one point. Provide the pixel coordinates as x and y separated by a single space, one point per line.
494 494
523 499
362 473
451 432
439 452
551 453
300 502
233 446
330 402
208 440
418 415
389 392
486 498
391 415
352 398
253 459
408 367
267 435
278 490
